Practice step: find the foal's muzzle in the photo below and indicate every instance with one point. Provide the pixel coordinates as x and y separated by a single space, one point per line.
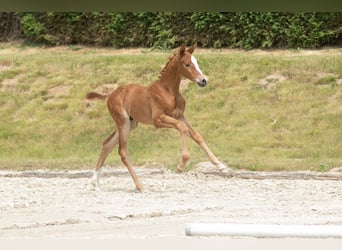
202 81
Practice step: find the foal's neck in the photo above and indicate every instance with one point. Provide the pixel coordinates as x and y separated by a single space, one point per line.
171 78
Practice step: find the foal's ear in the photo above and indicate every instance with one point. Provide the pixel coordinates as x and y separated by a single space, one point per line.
192 48
181 50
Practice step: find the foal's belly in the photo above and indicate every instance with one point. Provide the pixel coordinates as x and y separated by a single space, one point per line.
138 105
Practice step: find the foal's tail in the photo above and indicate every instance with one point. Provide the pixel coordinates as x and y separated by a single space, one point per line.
93 95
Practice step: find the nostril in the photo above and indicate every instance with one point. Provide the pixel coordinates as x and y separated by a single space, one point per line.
203 81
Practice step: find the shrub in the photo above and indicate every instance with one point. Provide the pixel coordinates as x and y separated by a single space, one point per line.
169 29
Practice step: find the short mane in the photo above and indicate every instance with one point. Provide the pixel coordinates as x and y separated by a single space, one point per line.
162 72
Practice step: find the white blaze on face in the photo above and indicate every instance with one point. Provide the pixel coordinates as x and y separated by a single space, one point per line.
194 61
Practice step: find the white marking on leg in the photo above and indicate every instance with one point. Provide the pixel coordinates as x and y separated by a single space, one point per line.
213 158
222 167
95 180
194 61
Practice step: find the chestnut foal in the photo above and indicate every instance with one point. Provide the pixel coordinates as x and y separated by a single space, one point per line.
159 104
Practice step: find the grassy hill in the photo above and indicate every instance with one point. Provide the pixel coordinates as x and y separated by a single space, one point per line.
275 110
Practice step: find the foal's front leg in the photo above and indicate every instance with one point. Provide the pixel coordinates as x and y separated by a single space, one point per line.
165 121
200 141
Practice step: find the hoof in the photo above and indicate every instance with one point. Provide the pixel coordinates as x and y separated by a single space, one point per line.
95 187
94 183
222 168
140 189
180 170
224 171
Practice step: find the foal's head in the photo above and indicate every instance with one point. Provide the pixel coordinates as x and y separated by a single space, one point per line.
188 66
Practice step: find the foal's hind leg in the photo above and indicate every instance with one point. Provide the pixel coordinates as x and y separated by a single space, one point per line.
124 126
108 145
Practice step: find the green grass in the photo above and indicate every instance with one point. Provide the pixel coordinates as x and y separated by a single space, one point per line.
294 124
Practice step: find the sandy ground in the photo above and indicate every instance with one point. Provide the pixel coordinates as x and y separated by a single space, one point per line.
50 205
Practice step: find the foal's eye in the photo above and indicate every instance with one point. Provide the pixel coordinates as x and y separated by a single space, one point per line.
187 65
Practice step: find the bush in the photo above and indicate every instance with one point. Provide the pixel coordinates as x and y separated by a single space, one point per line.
9 26
169 29
32 28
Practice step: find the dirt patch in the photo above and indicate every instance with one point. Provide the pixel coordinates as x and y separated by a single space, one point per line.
53 93
325 74
62 204
60 90
106 89
271 81
327 79
4 65
9 82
